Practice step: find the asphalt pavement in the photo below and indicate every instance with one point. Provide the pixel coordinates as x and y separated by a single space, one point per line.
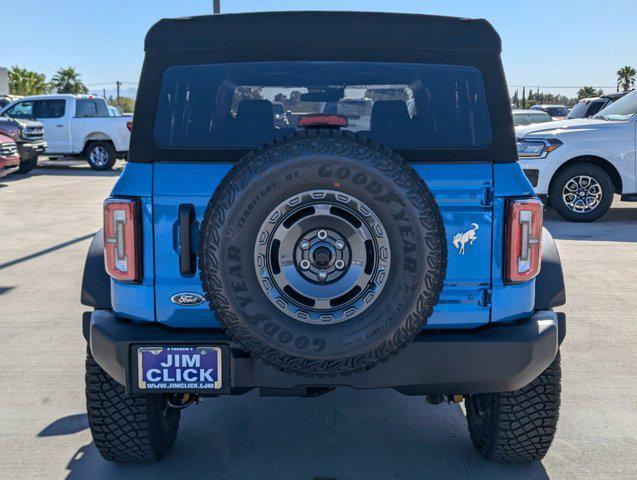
46 222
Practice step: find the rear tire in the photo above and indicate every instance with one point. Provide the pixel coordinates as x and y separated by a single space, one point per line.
101 155
28 162
127 428
517 426
567 180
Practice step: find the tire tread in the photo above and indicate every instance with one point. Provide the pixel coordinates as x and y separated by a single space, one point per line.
260 160
126 428
520 425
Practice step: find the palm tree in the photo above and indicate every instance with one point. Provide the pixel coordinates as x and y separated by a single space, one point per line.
588 92
626 77
67 80
26 82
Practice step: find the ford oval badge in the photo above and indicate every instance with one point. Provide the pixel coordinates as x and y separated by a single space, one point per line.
187 299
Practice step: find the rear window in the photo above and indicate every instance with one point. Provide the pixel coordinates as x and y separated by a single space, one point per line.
530 118
579 110
400 105
557 111
91 107
595 107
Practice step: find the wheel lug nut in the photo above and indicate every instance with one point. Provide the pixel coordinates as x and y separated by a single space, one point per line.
322 275
339 244
322 234
339 264
305 244
305 264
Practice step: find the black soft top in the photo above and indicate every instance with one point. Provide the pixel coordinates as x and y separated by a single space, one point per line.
323 36
300 30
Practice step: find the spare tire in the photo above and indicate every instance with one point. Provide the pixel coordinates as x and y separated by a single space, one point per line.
322 253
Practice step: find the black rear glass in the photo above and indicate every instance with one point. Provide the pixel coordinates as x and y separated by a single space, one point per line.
401 105
557 111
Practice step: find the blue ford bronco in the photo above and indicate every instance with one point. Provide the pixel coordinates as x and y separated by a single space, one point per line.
382 236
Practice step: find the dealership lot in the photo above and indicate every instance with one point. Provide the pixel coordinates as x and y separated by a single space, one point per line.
47 221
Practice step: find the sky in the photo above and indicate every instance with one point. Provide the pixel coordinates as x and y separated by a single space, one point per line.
545 43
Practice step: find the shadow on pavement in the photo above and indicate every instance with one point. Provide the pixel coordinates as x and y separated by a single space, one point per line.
39 253
342 435
618 225
73 168
64 170
66 426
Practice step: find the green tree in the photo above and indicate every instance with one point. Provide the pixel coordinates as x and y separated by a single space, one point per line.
26 82
626 77
67 80
126 104
531 99
588 92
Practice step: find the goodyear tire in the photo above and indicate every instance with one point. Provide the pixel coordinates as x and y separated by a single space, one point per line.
322 253
127 428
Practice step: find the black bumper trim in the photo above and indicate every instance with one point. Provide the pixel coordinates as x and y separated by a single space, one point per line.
494 358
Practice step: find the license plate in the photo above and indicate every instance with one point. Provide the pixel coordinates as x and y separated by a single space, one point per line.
179 368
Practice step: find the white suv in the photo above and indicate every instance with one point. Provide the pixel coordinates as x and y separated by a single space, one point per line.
580 164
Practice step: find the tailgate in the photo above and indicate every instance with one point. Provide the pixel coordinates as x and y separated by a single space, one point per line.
463 192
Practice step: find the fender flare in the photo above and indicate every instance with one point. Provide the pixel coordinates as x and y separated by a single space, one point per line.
549 284
93 137
96 284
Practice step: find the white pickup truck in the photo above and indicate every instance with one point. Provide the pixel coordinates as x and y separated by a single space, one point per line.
77 125
580 164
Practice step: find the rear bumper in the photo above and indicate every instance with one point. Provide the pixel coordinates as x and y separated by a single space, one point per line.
495 358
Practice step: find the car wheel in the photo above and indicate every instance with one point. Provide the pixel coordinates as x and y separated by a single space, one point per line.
582 192
517 426
101 155
28 162
322 253
127 428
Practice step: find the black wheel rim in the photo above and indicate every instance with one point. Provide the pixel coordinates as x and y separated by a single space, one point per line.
322 257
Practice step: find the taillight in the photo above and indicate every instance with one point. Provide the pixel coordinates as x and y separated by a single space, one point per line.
122 239
524 239
129 125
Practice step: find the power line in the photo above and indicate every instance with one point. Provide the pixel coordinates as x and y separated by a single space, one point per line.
99 84
560 86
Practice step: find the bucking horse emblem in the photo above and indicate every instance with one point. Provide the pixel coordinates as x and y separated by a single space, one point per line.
460 240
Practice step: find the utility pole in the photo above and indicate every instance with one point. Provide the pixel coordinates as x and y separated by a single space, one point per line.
117 85
216 8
